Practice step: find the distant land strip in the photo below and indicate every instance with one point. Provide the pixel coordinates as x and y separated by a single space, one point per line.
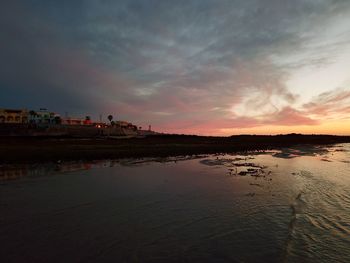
48 149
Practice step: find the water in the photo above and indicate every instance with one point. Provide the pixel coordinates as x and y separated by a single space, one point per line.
283 206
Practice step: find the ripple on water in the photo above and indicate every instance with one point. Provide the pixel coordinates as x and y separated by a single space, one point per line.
320 225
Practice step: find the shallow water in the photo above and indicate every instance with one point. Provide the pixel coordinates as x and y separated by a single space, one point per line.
282 206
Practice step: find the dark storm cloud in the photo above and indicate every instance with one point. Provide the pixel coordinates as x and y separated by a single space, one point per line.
163 61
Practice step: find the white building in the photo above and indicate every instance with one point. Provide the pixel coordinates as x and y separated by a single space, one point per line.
43 116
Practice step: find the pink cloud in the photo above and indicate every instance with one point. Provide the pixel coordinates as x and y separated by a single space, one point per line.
330 104
290 117
285 117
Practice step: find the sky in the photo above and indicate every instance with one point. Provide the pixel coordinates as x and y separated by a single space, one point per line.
209 67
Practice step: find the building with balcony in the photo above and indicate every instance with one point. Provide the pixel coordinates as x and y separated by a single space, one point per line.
14 116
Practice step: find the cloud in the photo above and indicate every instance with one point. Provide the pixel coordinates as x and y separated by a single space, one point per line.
179 65
331 104
291 117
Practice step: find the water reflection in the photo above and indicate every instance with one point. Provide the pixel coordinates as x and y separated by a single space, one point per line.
301 150
260 207
13 172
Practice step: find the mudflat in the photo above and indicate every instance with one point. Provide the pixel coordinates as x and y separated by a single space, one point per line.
45 149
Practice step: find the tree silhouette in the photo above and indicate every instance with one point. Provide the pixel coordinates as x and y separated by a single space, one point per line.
110 118
32 114
57 120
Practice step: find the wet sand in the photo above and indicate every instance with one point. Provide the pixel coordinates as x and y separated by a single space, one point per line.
29 149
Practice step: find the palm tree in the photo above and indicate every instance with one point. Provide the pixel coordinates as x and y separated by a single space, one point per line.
32 116
110 118
57 120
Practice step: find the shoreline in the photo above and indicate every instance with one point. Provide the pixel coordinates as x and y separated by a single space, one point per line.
53 149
